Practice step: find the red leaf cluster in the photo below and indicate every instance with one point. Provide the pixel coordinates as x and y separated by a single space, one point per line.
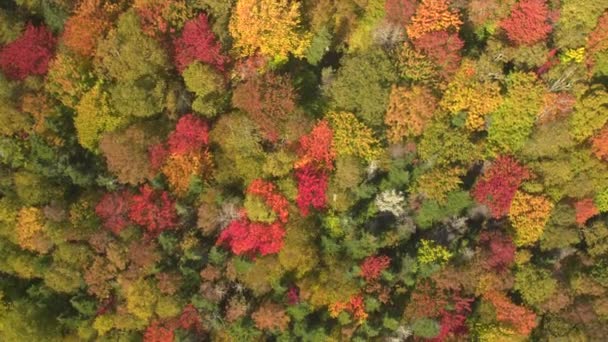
191 134
501 250
277 202
197 43
316 147
249 238
312 188
442 48
354 306
372 267
293 295
155 211
453 323
498 185
527 23
522 319
113 209
585 209
400 11
158 332
29 54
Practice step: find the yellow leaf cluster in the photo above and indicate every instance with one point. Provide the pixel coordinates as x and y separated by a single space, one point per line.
528 215
429 253
408 112
432 15
352 137
466 94
31 231
437 183
270 27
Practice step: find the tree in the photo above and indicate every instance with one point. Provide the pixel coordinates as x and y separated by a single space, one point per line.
501 250
126 153
499 183
31 230
317 149
197 43
400 11
529 215
362 86
153 210
585 209
90 21
269 100
408 112
208 86
29 54
589 115
272 198
312 189
442 48
372 267
250 238
527 23
520 318
432 15
269 27
191 134
113 209
271 317
351 137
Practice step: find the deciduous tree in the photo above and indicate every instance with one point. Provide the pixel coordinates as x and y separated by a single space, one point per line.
29 54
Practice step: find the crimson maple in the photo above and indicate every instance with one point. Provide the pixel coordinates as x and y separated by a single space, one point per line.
528 22
113 209
312 188
29 54
153 210
453 322
157 332
372 267
442 48
249 238
316 148
190 135
498 185
198 43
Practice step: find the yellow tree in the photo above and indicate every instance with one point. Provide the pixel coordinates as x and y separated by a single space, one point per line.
529 215
270 27
432 15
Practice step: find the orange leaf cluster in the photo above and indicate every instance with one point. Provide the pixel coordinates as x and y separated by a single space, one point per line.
277 202
87 25
599 145
354 306
316 148
585 209
433 15
522 319
408 112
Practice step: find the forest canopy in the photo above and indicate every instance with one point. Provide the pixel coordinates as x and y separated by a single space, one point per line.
303 170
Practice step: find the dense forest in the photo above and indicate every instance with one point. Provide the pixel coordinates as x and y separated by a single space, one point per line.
303 170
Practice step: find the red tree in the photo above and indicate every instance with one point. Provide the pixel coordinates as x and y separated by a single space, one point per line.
372 267
29 54
113 209
155 211
277 202
442 48
157 332
312 188
501 250
157 154
190 134
498 185
527 23
453 322
197 43
585 209
316 148
248 238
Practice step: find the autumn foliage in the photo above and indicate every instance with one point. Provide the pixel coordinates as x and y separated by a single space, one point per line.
153 210
29 54
372 267
277 202
433 15
191 134
198 43
113 209
528 22
251 238
520 318
585 209
499 183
